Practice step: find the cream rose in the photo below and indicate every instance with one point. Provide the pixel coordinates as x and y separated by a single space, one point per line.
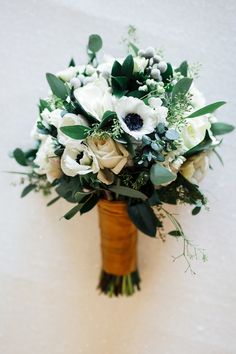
110 154
46 160
195 168
68 74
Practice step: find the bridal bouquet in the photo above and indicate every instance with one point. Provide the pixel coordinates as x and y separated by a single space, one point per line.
130 134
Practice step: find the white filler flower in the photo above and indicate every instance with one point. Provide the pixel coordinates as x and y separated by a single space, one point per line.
95 97
78 159
136 118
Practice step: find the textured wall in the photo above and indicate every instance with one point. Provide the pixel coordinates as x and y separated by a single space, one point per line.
49 268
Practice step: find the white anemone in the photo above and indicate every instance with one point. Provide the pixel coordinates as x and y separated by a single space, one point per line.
136 118
78 159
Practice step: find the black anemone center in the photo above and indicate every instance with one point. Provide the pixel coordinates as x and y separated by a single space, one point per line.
133 121
79 157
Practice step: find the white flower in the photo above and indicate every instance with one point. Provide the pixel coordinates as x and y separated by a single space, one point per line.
110 154
136 118
78 159
46 160
95 97
195 168
140 64
197 98
68 74
194 131
67 120
156 103
52 118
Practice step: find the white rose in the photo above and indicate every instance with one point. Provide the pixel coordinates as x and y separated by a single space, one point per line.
53 118
197 98
136 118
95 97
46 160
109 153
194 131
68 73
68 120
78 159
140 64
156 103
195 168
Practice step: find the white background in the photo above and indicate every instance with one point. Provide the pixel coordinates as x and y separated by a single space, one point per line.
49 268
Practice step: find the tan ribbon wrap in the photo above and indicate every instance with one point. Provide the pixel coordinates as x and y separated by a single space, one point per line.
118 238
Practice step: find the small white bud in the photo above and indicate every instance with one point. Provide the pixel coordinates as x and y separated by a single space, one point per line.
157 58
155 74
162 66
75 82
149 52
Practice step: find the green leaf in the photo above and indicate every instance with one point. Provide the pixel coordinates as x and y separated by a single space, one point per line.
72 212
181 88
94 43
54 200
221 128
107 116
19 156
210 108
168 74
57 86
128 66
183 68
154 199
121 81
144 218
175 233
43 104
128 192
72 62
196 210
116 68
161 175
204 145
89 204
28 189
75 131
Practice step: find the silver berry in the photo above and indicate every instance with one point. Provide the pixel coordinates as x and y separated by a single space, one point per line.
155 74
162 66
149 52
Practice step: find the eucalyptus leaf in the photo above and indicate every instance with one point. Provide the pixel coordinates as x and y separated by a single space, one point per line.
19 156
175 233
54 200
220 128
172 134
94 43
161 175
72 212
144 218
28 189
181 88
210 108
77 132
128 192
57 86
